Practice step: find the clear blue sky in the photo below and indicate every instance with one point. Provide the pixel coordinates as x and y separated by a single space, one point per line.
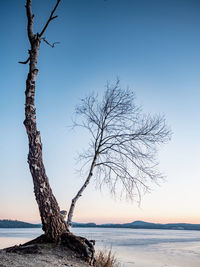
154 47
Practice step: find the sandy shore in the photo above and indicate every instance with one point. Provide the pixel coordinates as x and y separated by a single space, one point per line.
45 258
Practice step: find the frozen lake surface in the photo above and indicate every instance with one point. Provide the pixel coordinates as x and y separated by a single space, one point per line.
133 247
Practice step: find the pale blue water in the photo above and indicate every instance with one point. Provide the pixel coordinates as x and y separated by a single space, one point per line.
132 247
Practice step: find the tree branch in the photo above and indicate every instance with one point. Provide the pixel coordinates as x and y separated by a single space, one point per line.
50 18
24 62
52 45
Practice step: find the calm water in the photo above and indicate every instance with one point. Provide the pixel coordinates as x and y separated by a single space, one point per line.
133 247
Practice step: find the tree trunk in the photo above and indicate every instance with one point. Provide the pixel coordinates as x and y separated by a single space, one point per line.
53 223
74 200
98 144
79 194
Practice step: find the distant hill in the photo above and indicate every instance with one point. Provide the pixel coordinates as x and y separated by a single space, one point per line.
131 225
143 225
17 224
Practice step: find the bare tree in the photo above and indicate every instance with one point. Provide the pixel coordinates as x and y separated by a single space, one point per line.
53 223
123 143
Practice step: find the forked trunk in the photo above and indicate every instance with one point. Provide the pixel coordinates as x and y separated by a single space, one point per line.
53 222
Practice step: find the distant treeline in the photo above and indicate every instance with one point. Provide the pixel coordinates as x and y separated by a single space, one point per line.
143 225
17 224
132 225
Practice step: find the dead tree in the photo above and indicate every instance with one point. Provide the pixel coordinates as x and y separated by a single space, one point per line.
53 223
123 143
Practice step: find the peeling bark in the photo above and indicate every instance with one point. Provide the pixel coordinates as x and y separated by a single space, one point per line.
53 223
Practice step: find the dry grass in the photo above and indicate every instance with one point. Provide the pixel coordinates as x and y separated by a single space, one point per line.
106 259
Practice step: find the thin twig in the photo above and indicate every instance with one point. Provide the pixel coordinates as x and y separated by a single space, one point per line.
52 45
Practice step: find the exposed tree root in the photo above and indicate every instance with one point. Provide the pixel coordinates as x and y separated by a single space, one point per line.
82 247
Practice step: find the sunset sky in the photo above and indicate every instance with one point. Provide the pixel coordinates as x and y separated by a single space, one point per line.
153 46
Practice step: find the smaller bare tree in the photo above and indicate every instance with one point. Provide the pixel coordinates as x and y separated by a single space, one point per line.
124 142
